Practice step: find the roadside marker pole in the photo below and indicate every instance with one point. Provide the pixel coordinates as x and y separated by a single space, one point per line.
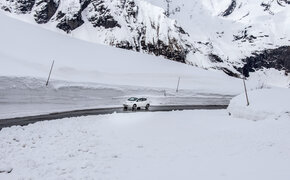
49 73
245 87
178 84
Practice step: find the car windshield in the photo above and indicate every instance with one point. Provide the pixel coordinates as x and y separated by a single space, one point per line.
132 99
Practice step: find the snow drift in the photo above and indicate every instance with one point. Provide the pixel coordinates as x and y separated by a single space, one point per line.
264 103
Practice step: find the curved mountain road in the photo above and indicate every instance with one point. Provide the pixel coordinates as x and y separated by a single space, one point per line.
22 121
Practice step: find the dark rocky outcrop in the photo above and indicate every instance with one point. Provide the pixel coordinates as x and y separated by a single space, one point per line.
244 36
230 9
267 7
283 2
44 11
102 16
20 6
68 24
124 45
172 51
215 58
273 58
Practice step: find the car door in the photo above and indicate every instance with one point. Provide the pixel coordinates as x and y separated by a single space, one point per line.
139 102
143 102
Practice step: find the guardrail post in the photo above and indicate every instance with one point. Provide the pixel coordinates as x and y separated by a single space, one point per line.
49 73
246 93
178 85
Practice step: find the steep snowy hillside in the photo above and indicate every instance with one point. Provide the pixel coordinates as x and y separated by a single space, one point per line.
235 36
81 61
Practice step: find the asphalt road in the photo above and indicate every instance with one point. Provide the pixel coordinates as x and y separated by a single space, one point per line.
22 121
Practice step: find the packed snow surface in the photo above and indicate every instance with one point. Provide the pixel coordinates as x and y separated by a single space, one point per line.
175 145
264 103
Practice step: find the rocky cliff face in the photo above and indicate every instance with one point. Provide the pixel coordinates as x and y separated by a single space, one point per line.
278 58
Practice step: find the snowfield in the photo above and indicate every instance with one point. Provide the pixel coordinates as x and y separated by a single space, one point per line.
161 145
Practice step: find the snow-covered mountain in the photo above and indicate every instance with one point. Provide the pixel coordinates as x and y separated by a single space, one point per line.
134 25
236 36
236 31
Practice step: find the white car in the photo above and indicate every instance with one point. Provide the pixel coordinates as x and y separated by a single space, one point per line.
136 103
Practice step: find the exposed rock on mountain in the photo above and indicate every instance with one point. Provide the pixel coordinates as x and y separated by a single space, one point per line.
17 6
44 10
230 9
100 15
273 58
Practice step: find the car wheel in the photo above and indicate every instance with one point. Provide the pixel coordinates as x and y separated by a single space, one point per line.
125 108
147 106
134 107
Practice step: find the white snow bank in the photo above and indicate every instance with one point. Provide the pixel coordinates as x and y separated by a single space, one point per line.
205 145
267 78
264 103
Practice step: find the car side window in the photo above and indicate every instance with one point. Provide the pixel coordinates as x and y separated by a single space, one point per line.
144 99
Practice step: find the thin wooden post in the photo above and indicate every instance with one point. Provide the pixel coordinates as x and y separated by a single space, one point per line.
178 85
49 73
246 92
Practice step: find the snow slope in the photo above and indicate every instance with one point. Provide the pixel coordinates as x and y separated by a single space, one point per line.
264 104
175 145
30 52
